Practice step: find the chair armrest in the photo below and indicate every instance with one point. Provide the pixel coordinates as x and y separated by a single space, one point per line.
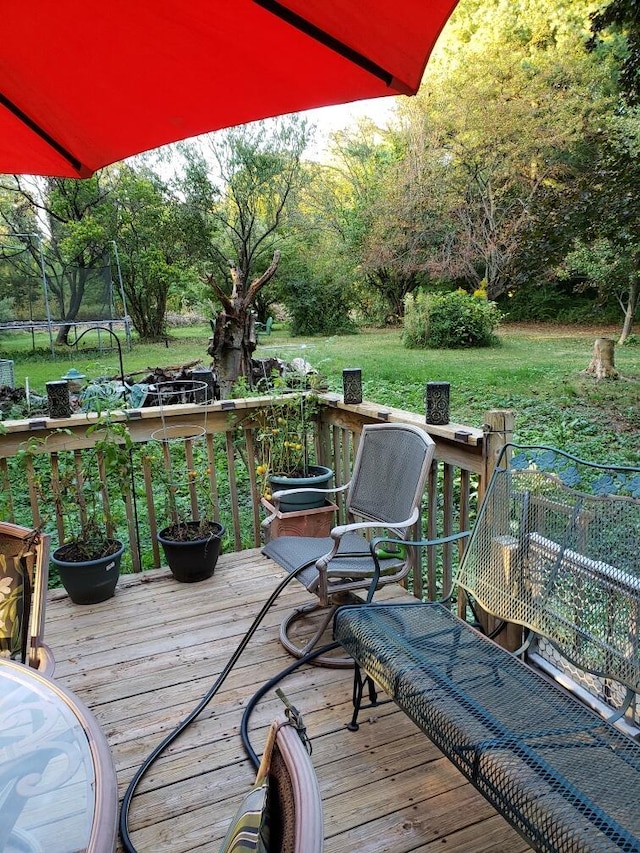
339 531
410 543
275 497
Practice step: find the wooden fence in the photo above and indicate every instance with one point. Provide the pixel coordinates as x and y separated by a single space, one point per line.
211 450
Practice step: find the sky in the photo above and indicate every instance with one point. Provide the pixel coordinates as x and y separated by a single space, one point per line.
327 120
330 119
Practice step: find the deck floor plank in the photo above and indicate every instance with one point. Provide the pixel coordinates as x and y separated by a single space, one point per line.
142 660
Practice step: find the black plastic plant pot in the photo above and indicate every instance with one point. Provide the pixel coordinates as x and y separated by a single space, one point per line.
90 581
191 560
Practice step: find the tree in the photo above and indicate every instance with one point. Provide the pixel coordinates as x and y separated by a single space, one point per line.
75 232
21 287
606 255
491 131
372 229
243 207
155 239
318 269
158 241
621 18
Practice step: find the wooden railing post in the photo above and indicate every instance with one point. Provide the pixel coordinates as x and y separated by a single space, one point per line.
498 431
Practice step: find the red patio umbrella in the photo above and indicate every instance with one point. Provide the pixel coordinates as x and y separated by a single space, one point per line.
86 83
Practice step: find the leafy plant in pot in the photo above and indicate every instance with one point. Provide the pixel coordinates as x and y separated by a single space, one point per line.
88 560
284 443
191 542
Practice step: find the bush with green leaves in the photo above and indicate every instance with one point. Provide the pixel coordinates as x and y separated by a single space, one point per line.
449 321
7 309
318 308
558 302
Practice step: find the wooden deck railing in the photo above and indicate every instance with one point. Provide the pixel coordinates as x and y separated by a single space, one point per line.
42 472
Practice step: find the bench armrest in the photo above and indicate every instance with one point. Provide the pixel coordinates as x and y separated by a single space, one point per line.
376 550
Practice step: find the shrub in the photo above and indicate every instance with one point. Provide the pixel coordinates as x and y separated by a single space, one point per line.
7 310
450 321
415 326
318 308
557 302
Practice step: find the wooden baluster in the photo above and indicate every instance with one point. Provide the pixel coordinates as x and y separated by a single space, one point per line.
5 485
151 509
233 491
56 491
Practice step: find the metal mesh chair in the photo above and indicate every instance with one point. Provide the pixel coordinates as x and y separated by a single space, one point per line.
389 475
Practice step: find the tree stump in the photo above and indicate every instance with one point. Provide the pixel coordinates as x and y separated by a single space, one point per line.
602 362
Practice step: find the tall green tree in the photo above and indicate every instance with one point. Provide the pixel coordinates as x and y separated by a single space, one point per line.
621 19
492 129
21 284
367 158
606 253
73 218
156 246
244 184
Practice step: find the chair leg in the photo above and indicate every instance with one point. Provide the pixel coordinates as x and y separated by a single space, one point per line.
359 682
299 651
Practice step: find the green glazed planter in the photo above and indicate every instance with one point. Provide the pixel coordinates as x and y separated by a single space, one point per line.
319 478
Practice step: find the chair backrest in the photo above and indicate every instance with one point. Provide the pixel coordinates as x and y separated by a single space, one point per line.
283 810
24 568
389 473
556 548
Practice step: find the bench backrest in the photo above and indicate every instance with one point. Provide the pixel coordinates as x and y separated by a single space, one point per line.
556 548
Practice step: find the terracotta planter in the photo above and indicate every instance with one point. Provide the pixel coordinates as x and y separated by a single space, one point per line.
319 478
307 522
90 581
191 560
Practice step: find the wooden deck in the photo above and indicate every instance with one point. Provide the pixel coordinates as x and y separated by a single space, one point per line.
142 660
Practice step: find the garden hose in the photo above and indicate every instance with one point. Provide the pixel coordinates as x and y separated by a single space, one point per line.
257 696
155 754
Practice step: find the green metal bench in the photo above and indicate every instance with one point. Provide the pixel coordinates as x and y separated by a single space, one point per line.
549 734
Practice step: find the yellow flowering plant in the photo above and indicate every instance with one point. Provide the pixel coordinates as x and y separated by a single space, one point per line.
284 439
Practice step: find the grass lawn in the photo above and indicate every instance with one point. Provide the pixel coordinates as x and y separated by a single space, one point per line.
536 371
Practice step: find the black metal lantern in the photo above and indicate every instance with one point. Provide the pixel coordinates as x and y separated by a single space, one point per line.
58 401
204 394
352 385
437 400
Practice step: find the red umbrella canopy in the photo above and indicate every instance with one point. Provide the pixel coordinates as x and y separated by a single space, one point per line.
84 84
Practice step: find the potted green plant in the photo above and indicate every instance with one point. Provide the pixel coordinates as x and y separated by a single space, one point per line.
191 540
284 446
88 561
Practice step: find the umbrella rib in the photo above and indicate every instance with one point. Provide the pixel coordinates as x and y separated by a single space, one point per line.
332 43
46 137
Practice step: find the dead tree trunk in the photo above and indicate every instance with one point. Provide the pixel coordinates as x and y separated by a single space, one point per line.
234 333
602 362
232 346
